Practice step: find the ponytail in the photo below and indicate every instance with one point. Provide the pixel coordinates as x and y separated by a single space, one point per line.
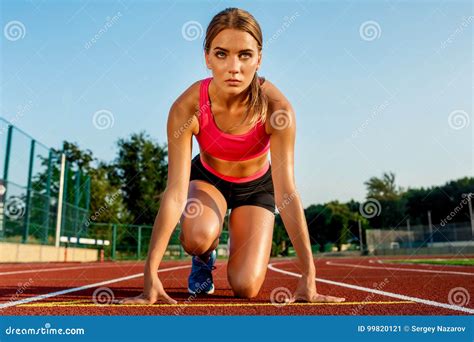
258 101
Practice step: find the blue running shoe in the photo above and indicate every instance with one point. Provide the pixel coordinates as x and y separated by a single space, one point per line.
200 279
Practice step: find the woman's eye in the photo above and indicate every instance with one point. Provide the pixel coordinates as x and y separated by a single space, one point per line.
221 54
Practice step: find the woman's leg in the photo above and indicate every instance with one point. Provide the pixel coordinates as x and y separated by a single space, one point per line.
202 219
251 231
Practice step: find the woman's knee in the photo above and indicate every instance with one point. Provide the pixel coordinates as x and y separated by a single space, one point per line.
197 240
245 286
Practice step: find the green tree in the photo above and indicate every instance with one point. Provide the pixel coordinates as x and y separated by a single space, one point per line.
383 188
390 210
338 226
441 201
281 240
318 218
140 169
332 222
107 205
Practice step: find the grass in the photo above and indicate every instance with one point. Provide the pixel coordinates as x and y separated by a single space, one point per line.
459 262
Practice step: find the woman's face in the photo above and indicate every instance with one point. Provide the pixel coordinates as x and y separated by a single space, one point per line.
233 55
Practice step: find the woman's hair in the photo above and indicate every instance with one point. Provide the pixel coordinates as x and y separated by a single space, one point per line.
235 18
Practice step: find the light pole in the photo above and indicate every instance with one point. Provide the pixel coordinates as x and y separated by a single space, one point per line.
409 234
430 227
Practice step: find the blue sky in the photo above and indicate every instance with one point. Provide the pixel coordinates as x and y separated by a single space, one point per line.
377 86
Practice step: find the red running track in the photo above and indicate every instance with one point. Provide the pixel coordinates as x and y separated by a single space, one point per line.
370 286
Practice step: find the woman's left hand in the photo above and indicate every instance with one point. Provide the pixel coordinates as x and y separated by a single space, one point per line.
306 291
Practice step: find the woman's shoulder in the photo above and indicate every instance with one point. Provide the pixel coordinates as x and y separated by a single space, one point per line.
187 105
190 97
279 108
276 99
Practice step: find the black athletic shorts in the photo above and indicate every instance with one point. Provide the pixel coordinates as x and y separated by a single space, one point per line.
257 192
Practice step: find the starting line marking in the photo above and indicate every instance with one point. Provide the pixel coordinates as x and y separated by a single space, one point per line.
379 292
72 304
399 269
80 288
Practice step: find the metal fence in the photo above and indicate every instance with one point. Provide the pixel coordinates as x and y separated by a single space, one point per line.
421 237
130 242
31 207
46 200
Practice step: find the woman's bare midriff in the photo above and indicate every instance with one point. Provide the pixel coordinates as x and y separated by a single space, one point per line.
244 168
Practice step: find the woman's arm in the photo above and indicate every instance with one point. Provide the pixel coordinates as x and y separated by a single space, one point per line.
287 199
174 198
173 202
282 145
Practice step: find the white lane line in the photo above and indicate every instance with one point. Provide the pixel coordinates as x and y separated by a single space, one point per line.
399 269
379 292
383 262
56 269
20 265
84 287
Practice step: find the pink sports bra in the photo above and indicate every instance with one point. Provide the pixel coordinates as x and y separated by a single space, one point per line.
227 146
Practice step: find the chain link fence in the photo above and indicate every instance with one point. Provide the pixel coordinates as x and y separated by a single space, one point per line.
131 242
457 238
30 187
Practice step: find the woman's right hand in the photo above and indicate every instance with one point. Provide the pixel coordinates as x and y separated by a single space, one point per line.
153 292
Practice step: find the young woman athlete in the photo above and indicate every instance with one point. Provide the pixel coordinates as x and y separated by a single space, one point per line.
237 118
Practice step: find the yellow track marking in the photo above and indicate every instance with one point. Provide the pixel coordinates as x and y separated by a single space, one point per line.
77 304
